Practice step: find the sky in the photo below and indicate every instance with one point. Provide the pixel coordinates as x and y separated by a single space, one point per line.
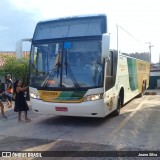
18 18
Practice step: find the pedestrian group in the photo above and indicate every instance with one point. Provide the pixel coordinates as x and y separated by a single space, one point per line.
17 90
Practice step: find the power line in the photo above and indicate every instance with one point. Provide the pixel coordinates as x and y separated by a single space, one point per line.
129 33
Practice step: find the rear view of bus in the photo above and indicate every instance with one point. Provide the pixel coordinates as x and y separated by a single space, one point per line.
67 68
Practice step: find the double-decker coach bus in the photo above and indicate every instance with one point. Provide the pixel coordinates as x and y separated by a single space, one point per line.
75 72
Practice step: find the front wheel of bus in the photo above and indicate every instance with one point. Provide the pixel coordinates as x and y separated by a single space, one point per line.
119 106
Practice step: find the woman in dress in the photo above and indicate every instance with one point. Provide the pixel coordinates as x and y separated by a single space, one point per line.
20 102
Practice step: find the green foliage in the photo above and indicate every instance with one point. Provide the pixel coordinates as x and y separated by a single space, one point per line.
18 68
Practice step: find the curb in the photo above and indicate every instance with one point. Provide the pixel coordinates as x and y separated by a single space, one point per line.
150 93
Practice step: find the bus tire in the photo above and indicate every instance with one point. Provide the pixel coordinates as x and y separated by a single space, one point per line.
143 89
119 105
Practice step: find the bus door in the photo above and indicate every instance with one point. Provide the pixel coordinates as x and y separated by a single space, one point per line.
110 97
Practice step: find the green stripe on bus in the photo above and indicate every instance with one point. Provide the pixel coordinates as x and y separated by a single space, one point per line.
71 95
132 69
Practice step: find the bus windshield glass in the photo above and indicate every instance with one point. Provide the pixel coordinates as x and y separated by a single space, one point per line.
70 64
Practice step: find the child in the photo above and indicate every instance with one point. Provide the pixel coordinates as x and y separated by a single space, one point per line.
20 102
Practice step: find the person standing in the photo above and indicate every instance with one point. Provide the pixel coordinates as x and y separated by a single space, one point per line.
20 102
2 109
9 90
1 103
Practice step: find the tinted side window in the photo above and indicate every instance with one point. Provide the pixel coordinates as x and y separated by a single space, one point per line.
111 70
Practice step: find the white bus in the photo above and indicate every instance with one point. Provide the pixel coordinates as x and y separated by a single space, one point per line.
75 72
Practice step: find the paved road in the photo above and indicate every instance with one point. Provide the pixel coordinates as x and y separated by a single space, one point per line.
137 128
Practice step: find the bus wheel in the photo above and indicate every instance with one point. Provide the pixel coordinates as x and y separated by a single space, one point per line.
142 93
119 106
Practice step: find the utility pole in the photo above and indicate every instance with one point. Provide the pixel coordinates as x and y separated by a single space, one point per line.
150 51
159 61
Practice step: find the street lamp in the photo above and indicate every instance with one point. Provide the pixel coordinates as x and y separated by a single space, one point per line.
150 53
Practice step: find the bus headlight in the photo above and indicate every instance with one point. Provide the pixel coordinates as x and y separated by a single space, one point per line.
93 97
34 95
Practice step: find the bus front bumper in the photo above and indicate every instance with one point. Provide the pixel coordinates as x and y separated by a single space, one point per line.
83 109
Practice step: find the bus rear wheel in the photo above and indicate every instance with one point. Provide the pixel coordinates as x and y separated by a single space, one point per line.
143 90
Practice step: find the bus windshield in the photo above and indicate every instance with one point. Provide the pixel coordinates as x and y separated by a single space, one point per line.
71 64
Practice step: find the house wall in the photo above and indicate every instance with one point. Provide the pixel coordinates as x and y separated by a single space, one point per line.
154 80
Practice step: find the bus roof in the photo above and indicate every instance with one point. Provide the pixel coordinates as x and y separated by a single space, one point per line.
73 17
76 26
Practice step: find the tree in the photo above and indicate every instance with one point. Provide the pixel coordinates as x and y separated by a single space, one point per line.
18 68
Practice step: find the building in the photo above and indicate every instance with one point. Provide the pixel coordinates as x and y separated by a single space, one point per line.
155 76
12 54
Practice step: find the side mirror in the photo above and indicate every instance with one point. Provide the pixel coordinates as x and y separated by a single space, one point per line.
105 45
19 47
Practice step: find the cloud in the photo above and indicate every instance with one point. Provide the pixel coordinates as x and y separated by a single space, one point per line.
3 28
18 18
15 24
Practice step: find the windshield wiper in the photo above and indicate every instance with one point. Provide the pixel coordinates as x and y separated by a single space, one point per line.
53 73
68 68
66 62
